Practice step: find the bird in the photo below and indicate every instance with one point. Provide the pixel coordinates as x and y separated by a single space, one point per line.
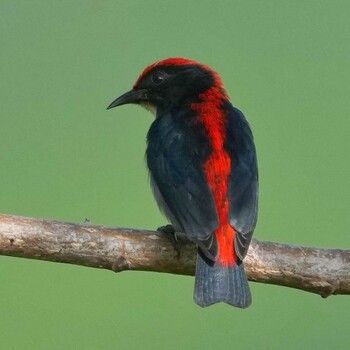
203 171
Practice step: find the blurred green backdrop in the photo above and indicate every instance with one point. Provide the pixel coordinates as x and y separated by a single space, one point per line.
63 156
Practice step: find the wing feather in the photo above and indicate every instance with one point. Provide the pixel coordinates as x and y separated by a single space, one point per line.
243 183
174 156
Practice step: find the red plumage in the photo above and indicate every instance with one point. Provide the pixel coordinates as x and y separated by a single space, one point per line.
218 166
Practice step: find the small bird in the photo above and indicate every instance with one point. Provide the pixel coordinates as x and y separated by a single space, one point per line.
203 171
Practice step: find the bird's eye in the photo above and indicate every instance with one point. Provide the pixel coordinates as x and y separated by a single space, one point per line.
158 78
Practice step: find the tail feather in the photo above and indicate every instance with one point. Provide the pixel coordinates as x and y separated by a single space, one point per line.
215 283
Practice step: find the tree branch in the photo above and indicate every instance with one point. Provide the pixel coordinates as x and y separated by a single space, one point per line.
321 271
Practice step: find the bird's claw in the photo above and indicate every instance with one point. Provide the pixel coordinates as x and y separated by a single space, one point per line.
169 230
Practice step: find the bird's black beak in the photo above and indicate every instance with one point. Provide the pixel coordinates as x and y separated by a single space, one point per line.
132 96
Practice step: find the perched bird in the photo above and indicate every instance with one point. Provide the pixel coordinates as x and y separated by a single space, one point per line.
203 170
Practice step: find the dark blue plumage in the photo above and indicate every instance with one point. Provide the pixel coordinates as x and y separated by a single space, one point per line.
177 148
243 190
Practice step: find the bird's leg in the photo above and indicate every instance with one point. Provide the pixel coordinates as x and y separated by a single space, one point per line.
175 238
169 230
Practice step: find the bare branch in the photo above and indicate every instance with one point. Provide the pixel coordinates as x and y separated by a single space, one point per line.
321 271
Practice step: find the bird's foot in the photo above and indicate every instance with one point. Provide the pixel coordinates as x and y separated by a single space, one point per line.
169 230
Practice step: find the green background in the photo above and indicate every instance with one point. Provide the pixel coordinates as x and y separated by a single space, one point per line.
63 156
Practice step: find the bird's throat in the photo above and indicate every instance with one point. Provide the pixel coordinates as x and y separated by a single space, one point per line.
150 107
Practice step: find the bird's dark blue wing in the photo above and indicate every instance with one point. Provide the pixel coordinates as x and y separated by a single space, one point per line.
243 182
175 157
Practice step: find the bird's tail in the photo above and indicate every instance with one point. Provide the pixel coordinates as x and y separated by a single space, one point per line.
215 283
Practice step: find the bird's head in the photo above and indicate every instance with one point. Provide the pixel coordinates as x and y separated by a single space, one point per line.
172 83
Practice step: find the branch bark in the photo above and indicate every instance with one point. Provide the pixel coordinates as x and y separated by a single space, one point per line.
321 271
